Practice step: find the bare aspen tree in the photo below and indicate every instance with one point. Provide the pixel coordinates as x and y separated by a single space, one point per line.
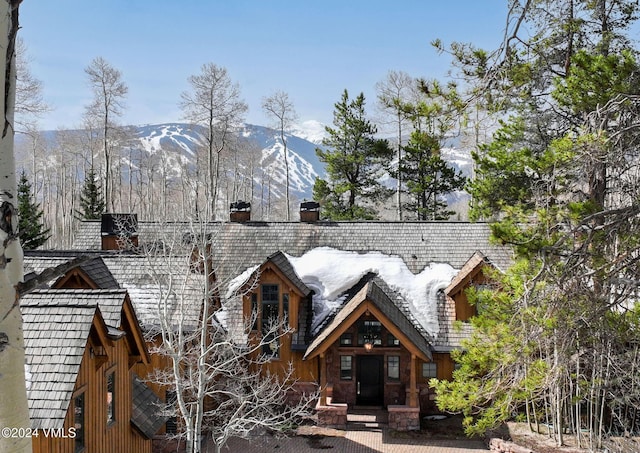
14 410
30 103
109 92
281 110
393 96
213 103
214 364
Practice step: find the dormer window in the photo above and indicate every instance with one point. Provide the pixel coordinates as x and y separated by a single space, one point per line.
271 309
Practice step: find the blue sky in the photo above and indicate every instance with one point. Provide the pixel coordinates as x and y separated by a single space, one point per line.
312 50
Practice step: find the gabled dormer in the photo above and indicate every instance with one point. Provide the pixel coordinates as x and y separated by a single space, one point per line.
472 274
90 274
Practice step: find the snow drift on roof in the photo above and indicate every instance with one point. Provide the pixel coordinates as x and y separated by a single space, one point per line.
331 272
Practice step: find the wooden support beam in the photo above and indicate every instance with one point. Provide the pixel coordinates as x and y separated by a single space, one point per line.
323 380
413 386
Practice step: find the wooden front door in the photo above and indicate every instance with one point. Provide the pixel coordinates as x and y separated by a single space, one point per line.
370 383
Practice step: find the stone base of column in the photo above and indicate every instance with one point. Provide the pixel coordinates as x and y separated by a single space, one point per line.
332 415
404 418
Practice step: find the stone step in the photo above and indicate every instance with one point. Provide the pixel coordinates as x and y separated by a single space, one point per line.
367 419
366 426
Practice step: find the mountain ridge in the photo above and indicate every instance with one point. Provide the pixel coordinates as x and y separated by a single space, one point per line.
177 145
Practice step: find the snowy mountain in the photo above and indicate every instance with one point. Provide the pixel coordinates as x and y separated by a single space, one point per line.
180 142
304 166
171 147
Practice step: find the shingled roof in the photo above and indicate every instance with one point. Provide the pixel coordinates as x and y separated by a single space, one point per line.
239 246
56 325
146 409
373 289
139 274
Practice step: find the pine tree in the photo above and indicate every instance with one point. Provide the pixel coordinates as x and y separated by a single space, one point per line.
31 226
355 161
428 177
561 183
92 204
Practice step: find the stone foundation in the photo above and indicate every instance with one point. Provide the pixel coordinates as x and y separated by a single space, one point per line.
332 415
300 390
404 418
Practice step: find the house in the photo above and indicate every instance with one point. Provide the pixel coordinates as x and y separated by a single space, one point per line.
373 304
98 275
80 348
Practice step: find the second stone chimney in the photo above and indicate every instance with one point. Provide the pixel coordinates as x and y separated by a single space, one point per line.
309 211
119 231
240 211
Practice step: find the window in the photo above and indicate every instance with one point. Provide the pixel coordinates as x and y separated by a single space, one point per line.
270 317
392 341
429 370
346 367
78 422
111 397
370 330
270 305
285 308
346 339
483 292
393 367
172 420
270 310
254 311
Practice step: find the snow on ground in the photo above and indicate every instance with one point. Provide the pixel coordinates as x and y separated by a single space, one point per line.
330 272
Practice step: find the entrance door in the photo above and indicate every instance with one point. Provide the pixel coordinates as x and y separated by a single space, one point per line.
370 380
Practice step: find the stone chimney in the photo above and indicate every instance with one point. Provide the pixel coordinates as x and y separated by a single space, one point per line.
309 211
119 231
240 211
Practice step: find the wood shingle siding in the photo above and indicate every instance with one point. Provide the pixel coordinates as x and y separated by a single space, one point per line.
55 338
74 340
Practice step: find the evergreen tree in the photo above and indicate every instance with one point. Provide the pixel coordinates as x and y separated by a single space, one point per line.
92 204
428 177
31 225
355 162
561 182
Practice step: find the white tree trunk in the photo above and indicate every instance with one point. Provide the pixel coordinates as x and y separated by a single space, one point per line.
14 411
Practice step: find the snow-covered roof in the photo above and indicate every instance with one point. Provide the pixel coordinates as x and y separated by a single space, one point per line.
330 273
375 290
415 259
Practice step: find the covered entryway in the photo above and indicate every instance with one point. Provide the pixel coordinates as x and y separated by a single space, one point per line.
368 356
370 380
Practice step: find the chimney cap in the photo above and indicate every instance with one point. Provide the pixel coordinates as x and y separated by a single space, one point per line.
240 206
309 206
116 224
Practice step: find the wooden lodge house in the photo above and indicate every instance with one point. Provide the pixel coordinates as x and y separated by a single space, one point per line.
81 346
372 304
